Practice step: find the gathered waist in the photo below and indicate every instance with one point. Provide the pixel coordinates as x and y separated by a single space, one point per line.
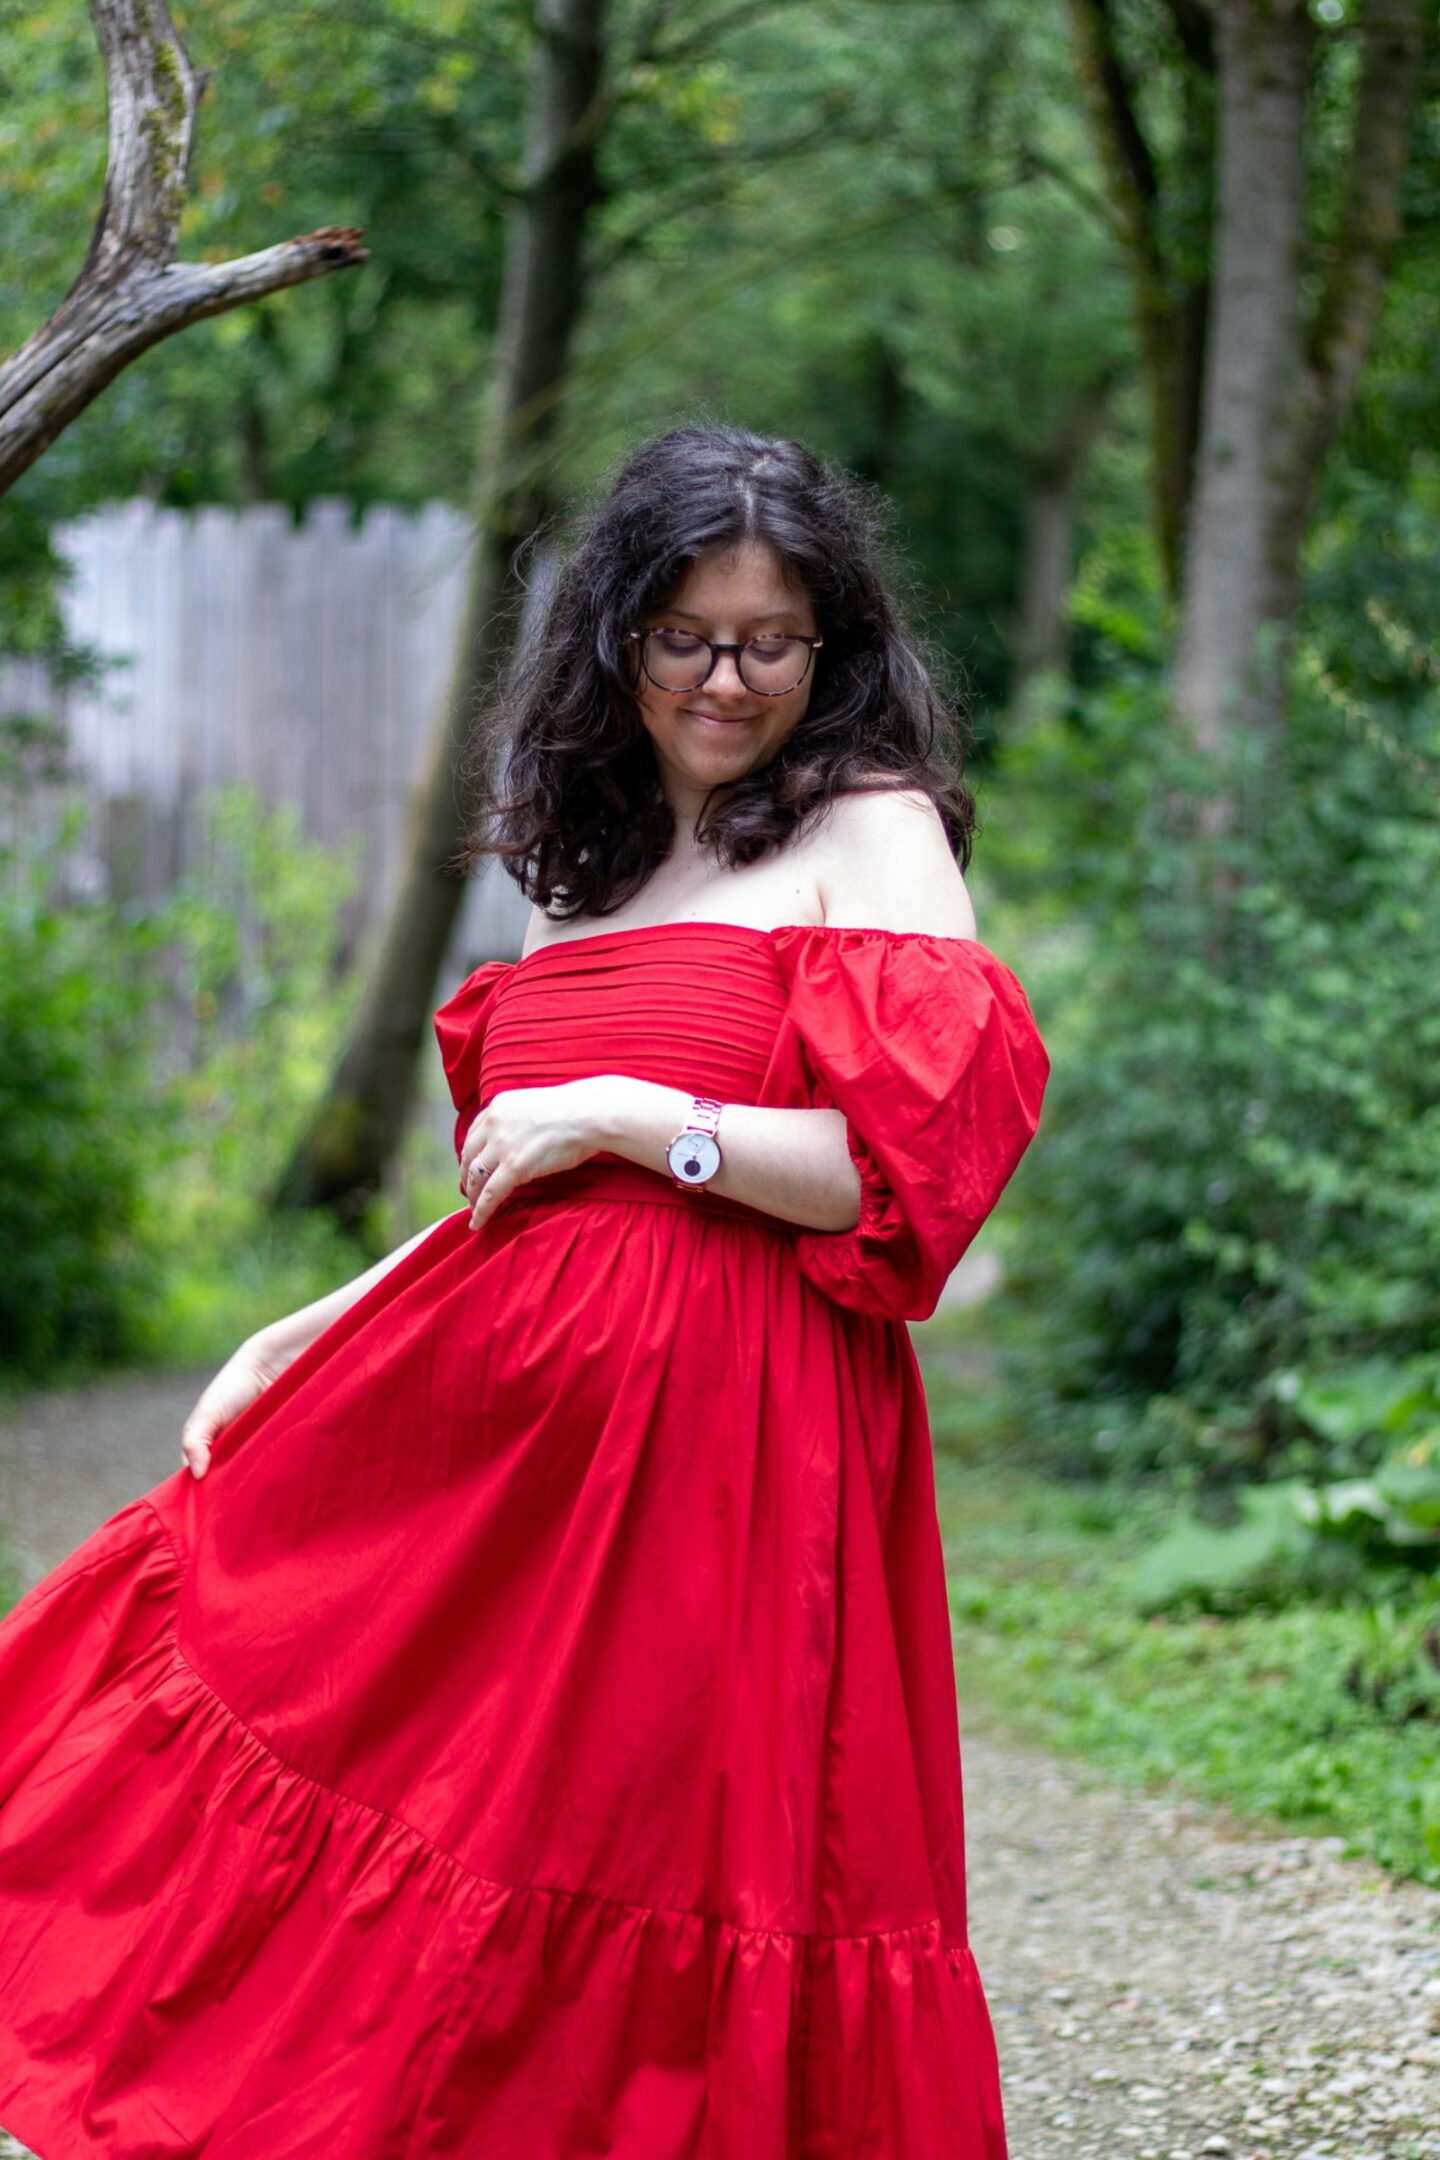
614 1177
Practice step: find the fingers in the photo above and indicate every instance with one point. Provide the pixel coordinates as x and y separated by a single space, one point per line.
216 1409
491 1190
474 1180
196 1436
469 1160
473 1143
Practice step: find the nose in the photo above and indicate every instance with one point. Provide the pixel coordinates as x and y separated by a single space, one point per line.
725 679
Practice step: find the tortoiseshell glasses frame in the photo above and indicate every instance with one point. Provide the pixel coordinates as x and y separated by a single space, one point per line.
685 689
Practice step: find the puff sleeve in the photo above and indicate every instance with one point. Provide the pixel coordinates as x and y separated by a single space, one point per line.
460 1031
928 1046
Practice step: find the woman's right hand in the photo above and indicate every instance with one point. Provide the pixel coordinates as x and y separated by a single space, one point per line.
239 1381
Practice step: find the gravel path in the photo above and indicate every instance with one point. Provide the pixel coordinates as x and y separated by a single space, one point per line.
1167 1983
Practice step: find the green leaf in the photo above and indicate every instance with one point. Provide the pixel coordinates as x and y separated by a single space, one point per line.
1198 1560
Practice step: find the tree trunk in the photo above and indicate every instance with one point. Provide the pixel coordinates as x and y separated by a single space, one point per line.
131 292
1238 580
1042 634
357 1130
1169 280
1277 389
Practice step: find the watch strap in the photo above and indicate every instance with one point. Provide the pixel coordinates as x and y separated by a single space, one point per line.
704 1115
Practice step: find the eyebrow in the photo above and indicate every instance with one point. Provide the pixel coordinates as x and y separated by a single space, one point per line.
775 615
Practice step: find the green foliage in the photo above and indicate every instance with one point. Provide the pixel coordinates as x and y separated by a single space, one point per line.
255 1010
32 623
250 948
1290 1534
1239 1170
154 1069
1301 1706
76 1123
1396 1666
798 227
1218 1569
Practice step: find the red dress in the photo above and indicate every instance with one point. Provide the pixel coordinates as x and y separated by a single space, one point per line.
536 1736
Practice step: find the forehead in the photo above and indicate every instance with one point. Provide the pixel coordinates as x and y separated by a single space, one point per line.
740 582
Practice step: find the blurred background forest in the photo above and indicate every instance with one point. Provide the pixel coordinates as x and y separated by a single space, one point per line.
1132 310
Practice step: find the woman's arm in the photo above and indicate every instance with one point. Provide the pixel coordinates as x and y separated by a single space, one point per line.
263 1356
791 1163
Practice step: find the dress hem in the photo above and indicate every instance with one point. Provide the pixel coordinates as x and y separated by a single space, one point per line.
128 2051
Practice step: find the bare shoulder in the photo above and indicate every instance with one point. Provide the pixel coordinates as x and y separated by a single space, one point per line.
884 863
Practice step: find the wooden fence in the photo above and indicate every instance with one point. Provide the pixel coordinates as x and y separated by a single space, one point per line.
308 660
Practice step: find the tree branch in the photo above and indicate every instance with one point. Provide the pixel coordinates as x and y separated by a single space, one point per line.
1106 216
1133 175
1195 27
1368 224
705 34
131 292
670 202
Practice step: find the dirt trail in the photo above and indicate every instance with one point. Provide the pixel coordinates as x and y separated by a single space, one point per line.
1166 1982
70 1458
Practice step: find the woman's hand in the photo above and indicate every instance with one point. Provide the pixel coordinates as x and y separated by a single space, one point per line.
247 1374
525 1133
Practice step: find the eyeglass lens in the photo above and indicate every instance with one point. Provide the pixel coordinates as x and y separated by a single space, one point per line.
680 660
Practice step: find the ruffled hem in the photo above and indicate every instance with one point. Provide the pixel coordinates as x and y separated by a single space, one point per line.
244 1962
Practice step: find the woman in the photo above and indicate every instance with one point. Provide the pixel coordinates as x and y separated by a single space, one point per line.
526 1724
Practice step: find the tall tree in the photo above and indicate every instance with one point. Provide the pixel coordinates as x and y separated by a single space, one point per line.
131 292
577 92
1280 375
341 1159
1254 345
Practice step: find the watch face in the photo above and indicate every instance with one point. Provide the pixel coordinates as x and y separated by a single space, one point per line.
694 1157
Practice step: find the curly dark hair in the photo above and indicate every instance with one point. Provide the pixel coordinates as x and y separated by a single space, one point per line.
579 817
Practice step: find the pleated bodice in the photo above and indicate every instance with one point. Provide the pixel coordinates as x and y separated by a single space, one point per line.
693 1005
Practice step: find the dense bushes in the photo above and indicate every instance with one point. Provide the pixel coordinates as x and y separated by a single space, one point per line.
1238 1180
154 1067
76 1118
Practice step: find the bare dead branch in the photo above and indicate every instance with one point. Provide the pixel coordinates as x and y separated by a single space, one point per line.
131 292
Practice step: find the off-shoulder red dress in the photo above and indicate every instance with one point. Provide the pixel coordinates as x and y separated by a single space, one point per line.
536 1737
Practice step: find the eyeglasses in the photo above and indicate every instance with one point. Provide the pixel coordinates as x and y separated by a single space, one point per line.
680 660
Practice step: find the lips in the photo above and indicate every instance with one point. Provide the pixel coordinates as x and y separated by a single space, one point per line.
721 719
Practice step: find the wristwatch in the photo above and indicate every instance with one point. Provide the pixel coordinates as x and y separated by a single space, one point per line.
694 1153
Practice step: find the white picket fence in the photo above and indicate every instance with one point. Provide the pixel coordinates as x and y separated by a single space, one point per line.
308 660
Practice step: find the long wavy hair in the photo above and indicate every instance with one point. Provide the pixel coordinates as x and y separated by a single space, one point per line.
578 816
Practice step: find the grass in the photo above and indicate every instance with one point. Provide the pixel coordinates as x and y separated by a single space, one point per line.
1250 1709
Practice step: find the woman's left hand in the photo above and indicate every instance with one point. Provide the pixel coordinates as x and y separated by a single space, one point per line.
525 1133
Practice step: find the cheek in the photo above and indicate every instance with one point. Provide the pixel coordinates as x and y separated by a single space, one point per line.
793 708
